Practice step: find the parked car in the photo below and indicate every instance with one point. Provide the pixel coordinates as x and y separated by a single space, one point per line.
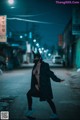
57 59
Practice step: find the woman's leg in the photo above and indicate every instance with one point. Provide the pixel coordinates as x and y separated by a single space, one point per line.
31 94
52 105
29 98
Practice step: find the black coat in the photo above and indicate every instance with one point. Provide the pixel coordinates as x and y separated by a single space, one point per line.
45 84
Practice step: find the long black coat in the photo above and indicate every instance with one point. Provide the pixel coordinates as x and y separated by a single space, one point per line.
45 84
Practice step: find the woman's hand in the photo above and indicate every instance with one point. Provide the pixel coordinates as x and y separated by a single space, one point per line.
62 80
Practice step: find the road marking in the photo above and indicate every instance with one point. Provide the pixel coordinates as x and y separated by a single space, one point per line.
15 74
66 84
70 102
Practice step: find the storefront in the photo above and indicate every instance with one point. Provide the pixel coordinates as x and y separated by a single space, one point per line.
77 61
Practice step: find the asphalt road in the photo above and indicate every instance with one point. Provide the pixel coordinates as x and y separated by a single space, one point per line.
15 84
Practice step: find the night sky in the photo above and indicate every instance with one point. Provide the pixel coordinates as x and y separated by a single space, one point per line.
56 16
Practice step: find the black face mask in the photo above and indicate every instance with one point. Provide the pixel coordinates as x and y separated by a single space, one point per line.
36 61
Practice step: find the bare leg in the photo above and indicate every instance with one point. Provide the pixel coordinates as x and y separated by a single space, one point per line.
52 105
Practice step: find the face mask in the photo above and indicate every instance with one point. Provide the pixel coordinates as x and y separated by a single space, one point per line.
36 61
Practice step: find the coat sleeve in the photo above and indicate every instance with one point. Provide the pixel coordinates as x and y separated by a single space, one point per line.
52 75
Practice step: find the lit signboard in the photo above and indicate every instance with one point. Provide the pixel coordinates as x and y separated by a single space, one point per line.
3 37
76 21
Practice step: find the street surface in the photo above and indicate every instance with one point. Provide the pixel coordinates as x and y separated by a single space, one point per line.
15 84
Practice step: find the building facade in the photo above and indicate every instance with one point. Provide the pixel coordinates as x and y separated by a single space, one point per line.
76 33
69 45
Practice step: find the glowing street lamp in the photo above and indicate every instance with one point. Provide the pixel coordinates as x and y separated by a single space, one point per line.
37 44
45 51
11 2
21 36
12 7
49 54
42 48
40 51
34 40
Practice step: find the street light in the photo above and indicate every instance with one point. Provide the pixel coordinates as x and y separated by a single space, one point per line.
49 54
40 51
34 40
42 48
21 36
45 51
12 7
37 44
11 2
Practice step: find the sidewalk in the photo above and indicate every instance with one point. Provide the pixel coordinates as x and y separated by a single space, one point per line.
74 79
30 65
